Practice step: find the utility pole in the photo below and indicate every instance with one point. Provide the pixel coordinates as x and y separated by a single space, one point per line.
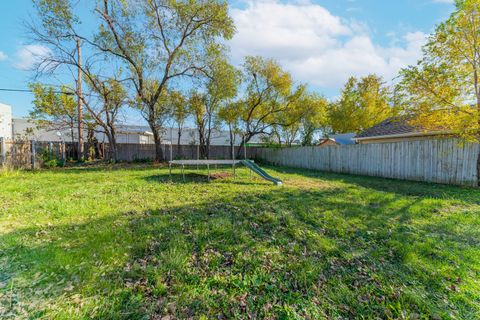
81 152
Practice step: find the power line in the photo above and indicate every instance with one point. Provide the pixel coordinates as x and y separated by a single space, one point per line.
69 93
31 91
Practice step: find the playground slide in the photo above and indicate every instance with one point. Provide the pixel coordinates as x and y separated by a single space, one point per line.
252 166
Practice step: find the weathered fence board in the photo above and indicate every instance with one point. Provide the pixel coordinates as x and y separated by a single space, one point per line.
447 161
18 154
136 152
21 154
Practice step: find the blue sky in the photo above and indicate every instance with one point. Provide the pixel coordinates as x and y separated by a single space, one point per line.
321 42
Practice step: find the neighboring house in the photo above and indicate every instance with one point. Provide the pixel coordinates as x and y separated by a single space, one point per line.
129 134
143 135
395 129
344 138
324 142
190 136
135 134
5 121
24 129
338 140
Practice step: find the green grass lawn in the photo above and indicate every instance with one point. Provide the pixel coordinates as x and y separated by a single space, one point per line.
125 242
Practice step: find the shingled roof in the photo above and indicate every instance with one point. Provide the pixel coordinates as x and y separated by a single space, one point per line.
390 126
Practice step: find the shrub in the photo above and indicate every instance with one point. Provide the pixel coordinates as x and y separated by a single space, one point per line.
48 158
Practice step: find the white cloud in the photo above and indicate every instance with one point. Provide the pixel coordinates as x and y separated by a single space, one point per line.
29 55
315 45
444 1
3 56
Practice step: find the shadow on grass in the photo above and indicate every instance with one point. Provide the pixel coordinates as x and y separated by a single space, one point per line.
202 177
178 178
106 166
401 187
278 253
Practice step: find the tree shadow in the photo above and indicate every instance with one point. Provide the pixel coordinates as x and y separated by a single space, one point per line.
107 167
266 253
202 178
400 187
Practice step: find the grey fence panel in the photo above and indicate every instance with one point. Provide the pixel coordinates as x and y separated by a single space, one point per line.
447 161
134 152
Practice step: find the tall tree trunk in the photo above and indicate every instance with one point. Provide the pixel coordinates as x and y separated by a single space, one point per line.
72 140
112 141
202 143
208 136
81 151
179 146
157 139
245 140
207 145
232 141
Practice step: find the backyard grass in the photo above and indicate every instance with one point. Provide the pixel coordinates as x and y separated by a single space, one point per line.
125 242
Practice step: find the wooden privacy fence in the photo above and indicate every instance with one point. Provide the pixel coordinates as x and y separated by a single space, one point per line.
26 154
446 161
136 152
16 154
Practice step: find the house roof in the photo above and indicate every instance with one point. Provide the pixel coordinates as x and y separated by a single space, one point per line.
326 140
133 129
389 127
344 138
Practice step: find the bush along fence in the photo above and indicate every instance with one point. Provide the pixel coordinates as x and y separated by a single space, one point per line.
447 161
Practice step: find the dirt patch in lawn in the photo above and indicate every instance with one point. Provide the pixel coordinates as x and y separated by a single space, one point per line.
204 177
220 175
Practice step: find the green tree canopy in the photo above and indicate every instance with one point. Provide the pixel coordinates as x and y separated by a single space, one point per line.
363 103
270 98
442 92
53 109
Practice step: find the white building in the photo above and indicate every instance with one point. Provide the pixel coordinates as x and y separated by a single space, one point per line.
25 129
189 136
5 121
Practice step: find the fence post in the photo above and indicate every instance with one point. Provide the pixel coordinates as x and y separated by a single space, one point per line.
3 152
33 151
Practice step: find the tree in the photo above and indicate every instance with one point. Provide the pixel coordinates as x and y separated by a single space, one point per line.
198 109
57 23
363 103
229 115
270 94
315 119
220 87
307 115
160 42
442 92
54 110
156 42
109 99
179 111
